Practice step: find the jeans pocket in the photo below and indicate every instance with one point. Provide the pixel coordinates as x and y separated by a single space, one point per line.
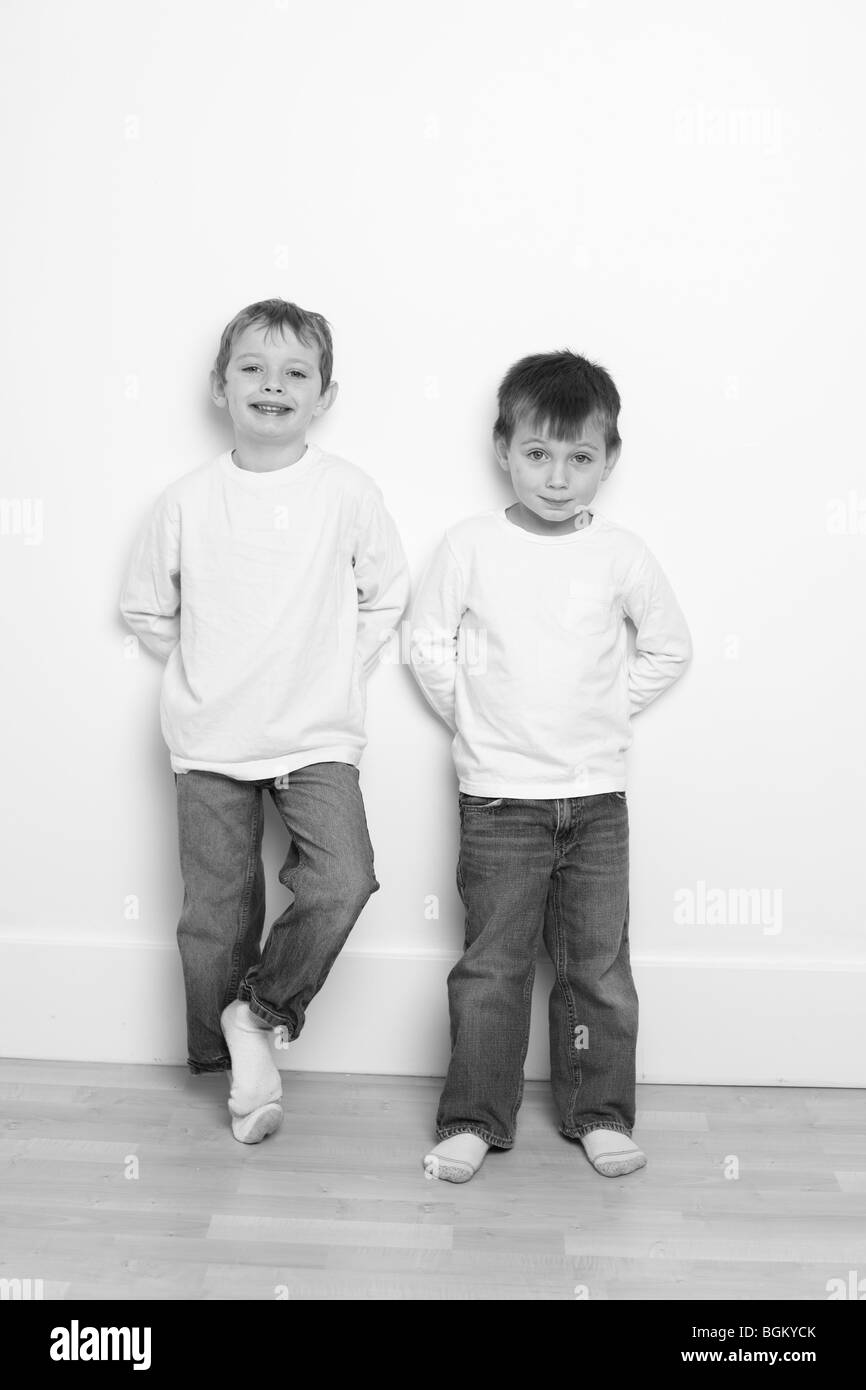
479 803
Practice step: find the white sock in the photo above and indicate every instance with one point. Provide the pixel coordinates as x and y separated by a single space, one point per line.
612 1154
255 1075
253 1128
456 1159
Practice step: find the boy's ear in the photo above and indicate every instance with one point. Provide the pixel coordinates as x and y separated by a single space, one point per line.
610 462
327 398
217 390
500 448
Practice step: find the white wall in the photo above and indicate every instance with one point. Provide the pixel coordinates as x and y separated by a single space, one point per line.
672 189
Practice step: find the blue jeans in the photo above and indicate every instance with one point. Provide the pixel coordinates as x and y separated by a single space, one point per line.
557 870
329 869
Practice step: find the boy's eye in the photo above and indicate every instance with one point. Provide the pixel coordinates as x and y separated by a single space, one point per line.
302 375
535 454
251 368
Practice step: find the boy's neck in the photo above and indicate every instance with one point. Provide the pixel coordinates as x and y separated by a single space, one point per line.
527 520
257 456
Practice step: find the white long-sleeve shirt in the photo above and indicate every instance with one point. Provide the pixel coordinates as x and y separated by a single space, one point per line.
269 595
519 642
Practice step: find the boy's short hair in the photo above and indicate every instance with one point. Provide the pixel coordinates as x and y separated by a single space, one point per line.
279 314
559 392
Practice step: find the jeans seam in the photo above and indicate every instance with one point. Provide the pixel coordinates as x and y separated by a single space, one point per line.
246 896
247 992
560 966
527 1015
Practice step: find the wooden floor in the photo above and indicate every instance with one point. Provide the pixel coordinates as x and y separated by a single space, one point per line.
337 1206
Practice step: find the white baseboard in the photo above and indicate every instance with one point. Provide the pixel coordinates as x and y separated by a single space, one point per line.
711 1022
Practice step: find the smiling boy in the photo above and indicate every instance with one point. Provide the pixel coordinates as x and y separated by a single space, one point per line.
542 590
268 579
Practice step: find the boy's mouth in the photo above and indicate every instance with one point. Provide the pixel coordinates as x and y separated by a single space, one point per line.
270 408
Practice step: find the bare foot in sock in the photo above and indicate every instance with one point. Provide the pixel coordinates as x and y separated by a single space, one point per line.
456 1159
612 1154
253 1128
255 1075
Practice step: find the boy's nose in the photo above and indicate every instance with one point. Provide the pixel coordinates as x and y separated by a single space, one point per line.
273 386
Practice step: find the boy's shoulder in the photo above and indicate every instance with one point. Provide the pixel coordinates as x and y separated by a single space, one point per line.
191 484
350 476
470 530
627 543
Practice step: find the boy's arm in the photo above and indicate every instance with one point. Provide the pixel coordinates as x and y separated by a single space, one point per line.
150 601
663 646
435 631
381 578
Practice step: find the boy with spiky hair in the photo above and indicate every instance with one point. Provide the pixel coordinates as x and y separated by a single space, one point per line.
539 594
268 579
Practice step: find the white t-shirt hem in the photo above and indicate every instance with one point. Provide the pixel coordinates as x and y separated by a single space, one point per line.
542 791
271 767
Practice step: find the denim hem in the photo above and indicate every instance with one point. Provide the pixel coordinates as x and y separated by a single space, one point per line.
491 1140
581 1130
263 1012
203 1068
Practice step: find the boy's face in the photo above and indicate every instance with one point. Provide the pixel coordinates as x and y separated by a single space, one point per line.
273 387
551 477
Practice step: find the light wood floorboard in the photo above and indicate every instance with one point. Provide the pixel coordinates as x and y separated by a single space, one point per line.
336 1205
